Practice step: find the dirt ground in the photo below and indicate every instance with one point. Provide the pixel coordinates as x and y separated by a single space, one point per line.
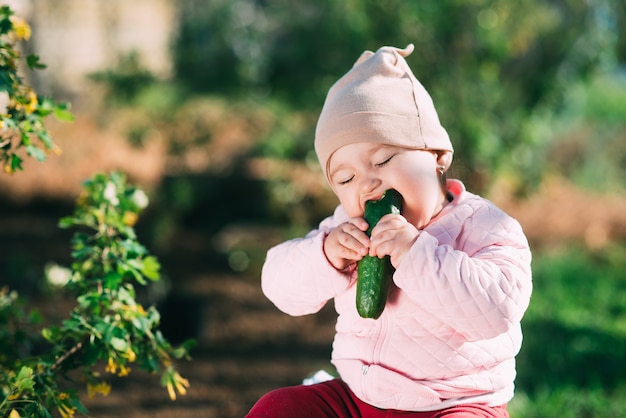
245 346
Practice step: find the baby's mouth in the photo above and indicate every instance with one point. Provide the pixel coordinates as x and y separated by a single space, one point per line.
374 198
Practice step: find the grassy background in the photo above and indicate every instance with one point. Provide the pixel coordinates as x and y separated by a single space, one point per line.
573 360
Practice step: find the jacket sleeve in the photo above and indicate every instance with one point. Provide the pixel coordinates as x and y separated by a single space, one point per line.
297 277
480 285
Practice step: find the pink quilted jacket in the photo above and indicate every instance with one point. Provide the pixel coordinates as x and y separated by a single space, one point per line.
451 328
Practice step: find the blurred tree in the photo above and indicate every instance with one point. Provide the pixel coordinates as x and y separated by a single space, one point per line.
126 80
489 64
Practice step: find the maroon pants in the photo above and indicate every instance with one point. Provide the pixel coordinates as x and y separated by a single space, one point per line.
334 399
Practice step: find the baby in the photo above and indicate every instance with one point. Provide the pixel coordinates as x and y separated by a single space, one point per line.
446 342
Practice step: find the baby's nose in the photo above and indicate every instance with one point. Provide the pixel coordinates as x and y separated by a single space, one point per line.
369 183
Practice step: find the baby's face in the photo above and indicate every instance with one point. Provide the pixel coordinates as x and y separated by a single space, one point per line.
363 171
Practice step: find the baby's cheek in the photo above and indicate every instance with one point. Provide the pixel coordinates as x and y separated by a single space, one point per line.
352 210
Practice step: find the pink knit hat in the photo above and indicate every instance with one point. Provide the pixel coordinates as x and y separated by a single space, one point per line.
379 100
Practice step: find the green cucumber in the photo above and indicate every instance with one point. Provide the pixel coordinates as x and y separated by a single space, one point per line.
374 274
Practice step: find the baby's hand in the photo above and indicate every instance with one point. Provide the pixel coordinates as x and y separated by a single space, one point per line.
392 236
347 243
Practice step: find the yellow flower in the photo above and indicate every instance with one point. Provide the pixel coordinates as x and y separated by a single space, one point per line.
31 106
124 371
63 395
66 411
180 383
130 218
8 169
170 391
130 354
111 366
21 28
14 414
101 388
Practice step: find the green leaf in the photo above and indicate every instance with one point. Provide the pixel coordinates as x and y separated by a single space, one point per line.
112 280
6 83
138 277
81 253
72 324
46 139
151 268
48 334
46 106
134 268
119 344
66 222
33 62
106 330
36 153
132 247
16 163
154 316
142 324
26 127
24 379
91 354
63 114
151 364
5 24
183 350
79 406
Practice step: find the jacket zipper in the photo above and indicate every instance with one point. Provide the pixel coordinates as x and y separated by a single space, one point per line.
377 347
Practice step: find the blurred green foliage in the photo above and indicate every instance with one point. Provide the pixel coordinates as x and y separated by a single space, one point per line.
126 80
525 89
490 65
23 111
573 360
587 143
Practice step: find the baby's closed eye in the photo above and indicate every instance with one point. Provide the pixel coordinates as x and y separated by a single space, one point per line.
385 161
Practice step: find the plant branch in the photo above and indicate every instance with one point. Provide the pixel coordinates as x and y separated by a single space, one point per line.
66 355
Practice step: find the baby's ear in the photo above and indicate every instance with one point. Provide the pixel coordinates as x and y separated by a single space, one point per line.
444 158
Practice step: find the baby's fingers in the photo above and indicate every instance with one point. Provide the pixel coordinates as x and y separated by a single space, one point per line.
351 237
390 221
